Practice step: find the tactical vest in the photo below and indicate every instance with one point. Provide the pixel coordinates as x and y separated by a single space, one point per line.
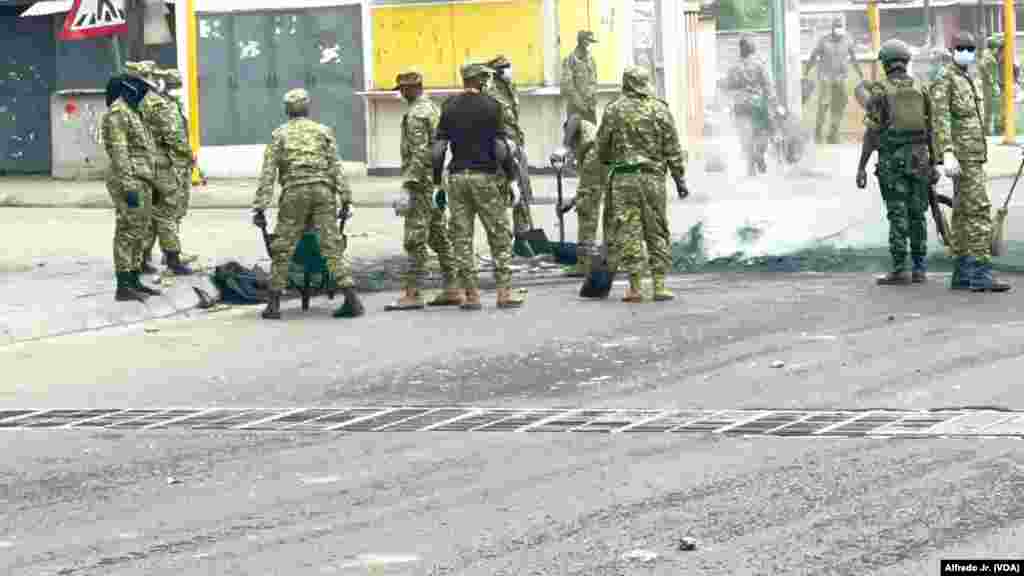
907 115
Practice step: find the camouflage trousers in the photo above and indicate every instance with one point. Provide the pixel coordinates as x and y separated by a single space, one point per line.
426 226
832 97
130 225
971 224
754 138
185 198
906 203
639 217
300 208
588 213
473 194
522 218
164 221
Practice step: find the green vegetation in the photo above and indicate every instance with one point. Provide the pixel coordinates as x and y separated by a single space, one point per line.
743 14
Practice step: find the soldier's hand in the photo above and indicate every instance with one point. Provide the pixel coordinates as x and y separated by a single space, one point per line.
951 164
935 176
862 179
681 190
440 199
517 196
346 211
259 218
131 198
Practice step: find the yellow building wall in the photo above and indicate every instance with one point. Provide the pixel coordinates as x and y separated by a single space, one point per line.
437 39
605 18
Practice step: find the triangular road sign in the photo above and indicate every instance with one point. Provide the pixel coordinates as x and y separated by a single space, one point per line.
94 18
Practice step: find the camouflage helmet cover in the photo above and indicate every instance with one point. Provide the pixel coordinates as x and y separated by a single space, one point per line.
894 50
296 97
636 79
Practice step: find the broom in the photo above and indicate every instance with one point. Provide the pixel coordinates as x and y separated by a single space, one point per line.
999 225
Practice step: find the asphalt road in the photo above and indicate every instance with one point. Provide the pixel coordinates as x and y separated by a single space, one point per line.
77 502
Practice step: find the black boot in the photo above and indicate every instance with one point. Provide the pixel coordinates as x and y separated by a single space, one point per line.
352 306
125 291
273 309
897 277
918 275
148 268
174 264
140 287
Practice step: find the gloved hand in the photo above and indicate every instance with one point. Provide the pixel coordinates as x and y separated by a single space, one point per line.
517 196
951 164
346 211
131 197
259 218
862 178
440 199
559 156
681 190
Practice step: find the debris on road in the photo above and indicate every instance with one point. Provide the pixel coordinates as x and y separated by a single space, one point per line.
171 481
205 300
778 364
638 555
151 330
687 544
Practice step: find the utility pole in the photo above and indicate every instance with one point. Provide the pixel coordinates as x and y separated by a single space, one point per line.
1009 57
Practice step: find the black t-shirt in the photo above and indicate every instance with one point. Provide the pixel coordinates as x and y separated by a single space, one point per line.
471 122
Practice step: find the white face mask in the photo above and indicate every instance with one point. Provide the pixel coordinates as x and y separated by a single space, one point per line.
506 73
963 57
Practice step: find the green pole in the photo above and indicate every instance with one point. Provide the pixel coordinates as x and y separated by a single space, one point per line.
778 21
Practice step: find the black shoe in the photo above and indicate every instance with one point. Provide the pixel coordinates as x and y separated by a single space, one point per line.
273 309
140 287
125 291
352 307
174 264
899 278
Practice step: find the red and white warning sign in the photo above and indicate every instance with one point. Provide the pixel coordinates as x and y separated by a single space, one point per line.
94 18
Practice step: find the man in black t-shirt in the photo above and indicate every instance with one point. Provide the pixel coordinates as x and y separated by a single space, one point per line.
472 124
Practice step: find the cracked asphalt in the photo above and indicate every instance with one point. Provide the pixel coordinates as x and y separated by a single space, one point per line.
95 503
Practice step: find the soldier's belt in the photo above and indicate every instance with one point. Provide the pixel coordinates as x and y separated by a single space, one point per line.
162 162
634 169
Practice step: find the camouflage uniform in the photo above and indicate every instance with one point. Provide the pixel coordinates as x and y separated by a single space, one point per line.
904 167
753 103
505 93
304 155
593 180
833 55
184 168
638 139
579 79
161 117
988 69
958 128
424 224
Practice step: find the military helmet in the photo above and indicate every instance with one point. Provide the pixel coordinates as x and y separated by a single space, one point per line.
894 50
963 39
296 97
746 44
637 79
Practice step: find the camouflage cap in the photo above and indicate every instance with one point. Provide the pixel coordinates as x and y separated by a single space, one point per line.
586 36
963 38
296 96
636 79
410 77
143 69
170 74
499 62
475 70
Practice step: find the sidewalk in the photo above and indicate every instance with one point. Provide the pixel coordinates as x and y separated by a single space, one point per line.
380 191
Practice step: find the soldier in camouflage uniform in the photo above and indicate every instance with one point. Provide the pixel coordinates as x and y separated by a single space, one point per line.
172 78
834 55
579 79
958 128
425 221
579 138
754 104
503 90
132 153
991 84
161 117
638 140
472 123
898 121
304 155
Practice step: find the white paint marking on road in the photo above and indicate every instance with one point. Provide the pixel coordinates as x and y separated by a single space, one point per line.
397 422
379 560
6 544
708 415
24 416
556 416
179 418
320 480
845 422
644 421
362 418
276 416
90 419
756 415
473 412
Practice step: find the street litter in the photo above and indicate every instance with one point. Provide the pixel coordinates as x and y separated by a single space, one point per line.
778 364
321 480
171 480
151 330
687 544
640 556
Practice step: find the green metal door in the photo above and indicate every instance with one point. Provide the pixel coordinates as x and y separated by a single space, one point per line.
336 74
217 81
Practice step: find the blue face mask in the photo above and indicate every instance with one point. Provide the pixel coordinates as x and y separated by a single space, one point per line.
963 57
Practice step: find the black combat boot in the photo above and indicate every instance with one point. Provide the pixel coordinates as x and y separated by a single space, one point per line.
125 291
273 309
174 264
352 307
898 277
140 287
148 268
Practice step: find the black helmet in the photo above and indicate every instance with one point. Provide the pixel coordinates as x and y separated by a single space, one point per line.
894 50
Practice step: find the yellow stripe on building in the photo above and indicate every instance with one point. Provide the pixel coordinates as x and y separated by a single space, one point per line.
437 39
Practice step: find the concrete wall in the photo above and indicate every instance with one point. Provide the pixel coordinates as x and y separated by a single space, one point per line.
541 113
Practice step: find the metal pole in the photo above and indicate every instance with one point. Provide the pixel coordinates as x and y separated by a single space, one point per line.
874 24
1009 56
928 23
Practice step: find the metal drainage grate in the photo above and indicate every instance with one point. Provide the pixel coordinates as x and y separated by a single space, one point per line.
784 423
